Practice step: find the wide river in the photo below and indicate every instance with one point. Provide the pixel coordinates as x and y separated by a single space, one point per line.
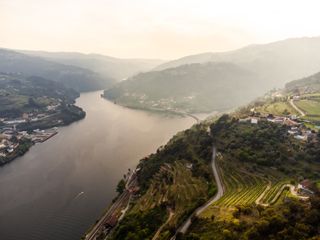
41 193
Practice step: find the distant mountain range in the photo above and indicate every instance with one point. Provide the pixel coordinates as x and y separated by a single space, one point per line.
74 77
276 62
78 71
107 67
213 81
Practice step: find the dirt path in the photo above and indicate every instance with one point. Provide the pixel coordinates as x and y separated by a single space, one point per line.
296 108
258 201
292 191
171 213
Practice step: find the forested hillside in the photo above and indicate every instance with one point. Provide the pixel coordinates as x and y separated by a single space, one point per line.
190 88
78 78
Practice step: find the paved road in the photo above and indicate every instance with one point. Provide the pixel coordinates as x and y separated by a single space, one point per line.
296 108
184 227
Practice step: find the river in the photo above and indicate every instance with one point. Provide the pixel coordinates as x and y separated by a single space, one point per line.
60 187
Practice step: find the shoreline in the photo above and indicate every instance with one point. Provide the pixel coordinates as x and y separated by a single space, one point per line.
163 111
41 139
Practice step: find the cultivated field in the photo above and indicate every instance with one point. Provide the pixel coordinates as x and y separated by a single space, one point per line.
311 107
175 187
277 108
244 188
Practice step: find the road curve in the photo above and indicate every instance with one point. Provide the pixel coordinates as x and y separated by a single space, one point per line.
296 108
184 227
276 197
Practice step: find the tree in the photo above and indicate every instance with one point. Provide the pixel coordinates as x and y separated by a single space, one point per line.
121 186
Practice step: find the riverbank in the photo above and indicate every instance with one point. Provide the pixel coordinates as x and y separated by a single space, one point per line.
17 138
197 116
88 156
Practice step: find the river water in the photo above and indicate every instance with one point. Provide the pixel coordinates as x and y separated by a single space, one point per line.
60 187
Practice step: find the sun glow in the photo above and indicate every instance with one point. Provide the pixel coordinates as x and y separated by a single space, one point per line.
152 28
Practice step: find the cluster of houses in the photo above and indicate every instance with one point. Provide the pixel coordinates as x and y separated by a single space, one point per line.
304 188
296 127
10 138
9 142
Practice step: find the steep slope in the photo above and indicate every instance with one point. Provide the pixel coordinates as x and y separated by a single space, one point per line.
276 62
77 78
305 85
250 157
108 67
20 94
191 88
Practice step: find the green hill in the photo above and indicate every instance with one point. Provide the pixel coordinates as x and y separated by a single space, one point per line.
305 85
190 88
33 95
78 78
253 160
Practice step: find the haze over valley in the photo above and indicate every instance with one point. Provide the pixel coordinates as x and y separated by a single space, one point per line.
159 120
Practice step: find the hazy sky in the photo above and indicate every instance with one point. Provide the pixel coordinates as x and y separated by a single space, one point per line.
153 28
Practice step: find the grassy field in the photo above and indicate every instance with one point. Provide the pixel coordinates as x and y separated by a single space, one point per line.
311 107
277 108
243 188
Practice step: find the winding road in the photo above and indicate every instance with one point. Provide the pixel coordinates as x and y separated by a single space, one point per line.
276 197
185 226
296 108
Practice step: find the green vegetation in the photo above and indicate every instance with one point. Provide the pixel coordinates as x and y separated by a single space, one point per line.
308 90
271 196
258 160
29 103
121 186
291 220
174 186
258 164
141 225
311 107
65 116
277 108
19 94
188 88
192 146
32 95
24 146
174 181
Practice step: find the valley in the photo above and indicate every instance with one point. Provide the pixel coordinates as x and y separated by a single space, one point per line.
219 176
267 156
159 120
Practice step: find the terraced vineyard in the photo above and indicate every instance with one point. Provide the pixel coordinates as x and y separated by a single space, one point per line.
274 192
245 188
241 188
174 186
